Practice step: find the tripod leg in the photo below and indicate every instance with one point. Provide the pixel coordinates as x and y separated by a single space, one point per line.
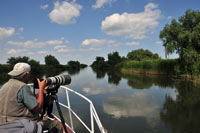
60 113
50 107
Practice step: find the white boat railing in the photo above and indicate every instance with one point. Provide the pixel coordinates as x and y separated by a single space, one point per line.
93 113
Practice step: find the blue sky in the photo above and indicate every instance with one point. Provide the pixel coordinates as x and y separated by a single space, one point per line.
83 29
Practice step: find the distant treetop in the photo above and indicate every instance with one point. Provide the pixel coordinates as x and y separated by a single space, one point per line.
142 54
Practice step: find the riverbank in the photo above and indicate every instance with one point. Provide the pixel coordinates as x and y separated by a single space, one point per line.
144 72
130 71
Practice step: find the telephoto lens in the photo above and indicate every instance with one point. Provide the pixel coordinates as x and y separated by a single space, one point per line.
59 80
54 81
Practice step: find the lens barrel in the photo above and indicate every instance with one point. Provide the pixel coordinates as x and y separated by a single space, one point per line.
59 80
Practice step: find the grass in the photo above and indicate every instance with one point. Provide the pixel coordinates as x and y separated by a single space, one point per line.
151 66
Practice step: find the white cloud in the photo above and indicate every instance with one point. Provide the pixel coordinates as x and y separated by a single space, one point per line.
35 44
89 49
132 25
6 32
65 49
38 52
109 43
44 6
133 43
65 12
159 42
60 46
16 51
67 42
144 105
21 29
100 3
139 104
96 42
95 91
42 52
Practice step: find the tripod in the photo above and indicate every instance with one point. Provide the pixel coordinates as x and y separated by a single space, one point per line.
48 100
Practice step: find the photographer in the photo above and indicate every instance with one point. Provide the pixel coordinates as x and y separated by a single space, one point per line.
17 101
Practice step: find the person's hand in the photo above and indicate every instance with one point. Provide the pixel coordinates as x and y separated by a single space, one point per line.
41 84
45 89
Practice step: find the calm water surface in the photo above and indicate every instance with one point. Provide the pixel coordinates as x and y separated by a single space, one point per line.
136 103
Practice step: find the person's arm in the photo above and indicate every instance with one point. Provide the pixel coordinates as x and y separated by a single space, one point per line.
40 97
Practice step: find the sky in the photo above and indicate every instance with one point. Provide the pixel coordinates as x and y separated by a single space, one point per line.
81 30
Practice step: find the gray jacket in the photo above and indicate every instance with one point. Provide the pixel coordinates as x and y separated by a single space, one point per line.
20 126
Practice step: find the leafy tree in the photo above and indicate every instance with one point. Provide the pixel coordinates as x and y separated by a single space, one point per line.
114 58
183 38
51 60
13 60
99 63
99 59
74 64
35 67
141 54
83 65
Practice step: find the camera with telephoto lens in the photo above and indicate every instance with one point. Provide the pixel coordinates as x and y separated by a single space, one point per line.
54 83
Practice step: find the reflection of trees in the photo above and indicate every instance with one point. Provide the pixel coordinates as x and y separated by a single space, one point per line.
73 71
146 81
183 115
114 76
100 73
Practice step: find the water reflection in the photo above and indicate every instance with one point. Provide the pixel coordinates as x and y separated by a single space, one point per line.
147 81
183 114
178 107
114 76
100 74
97 91
135 103
73 71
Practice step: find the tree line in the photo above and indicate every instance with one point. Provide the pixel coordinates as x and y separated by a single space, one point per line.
115 59
51 64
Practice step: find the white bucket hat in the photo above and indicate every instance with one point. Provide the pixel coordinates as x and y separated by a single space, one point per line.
20 68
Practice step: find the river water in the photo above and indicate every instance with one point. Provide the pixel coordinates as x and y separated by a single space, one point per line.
137 103
134 103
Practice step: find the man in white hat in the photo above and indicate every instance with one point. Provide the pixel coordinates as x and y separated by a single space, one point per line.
17 102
